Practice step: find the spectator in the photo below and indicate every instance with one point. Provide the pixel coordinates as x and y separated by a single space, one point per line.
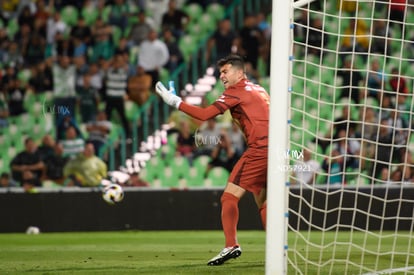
207 137
174 19
27 161
6 181
185 141
72 143
119 14
55 25
250 40
139 86
397 14
35 51
81 31
376 80
13 56
63 124
96 76
222 42
223 154
135 181
41 78
47 147
153 55
305 170
351 78
116 83
380 41
4 111
397 82
54 165
88 100
355 38
238 140
15 98
317 39
86 170
334 166
64 92
102 44
382 150
176 56
140 30
99 131
30 181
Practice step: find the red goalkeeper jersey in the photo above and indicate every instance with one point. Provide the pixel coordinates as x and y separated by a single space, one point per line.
249 106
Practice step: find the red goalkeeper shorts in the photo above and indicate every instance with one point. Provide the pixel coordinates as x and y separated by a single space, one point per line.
250 171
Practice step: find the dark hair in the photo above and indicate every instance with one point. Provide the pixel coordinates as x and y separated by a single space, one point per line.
233 59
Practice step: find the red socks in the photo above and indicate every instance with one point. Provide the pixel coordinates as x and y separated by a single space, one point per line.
262 212
229 217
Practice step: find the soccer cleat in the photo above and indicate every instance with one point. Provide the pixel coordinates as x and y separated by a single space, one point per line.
226 254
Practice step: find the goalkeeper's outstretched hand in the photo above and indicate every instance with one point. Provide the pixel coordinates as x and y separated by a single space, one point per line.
169 96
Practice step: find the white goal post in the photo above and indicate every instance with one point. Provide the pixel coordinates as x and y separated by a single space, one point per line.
341 138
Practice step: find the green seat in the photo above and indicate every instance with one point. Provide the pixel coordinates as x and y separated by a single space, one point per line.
12 27
194 177
69 15
218 176
90 14
169 178
131 108
187 44
207 22
180 165
194 11
216 10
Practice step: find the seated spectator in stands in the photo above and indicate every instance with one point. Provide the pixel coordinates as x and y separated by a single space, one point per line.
376 80
4 111
397 82
238 140
41 78
316 37
382 152
185 141
54 165
30 181
27 160
135 181
47 147
351 79
176 56
63 124
334 166
13 56
81 31
99 130
305 169
118 16
140 30
96 76
207 137
356 38
381 37
55 25
88 99
223 154
35 51
174 19
15 95
72 143
86 170
6 181
139 86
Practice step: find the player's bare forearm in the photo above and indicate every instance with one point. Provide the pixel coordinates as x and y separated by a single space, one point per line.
199 112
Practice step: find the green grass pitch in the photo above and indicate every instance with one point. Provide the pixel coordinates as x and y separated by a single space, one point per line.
178 252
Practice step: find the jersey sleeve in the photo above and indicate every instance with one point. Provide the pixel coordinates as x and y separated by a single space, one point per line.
199 112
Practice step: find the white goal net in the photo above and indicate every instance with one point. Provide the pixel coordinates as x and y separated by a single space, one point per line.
351 150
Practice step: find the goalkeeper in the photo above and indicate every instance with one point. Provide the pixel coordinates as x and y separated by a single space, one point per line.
249 106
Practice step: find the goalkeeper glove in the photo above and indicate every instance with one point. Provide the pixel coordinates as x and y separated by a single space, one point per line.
168 96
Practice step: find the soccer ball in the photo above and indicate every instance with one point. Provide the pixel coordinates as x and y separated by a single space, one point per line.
113 193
